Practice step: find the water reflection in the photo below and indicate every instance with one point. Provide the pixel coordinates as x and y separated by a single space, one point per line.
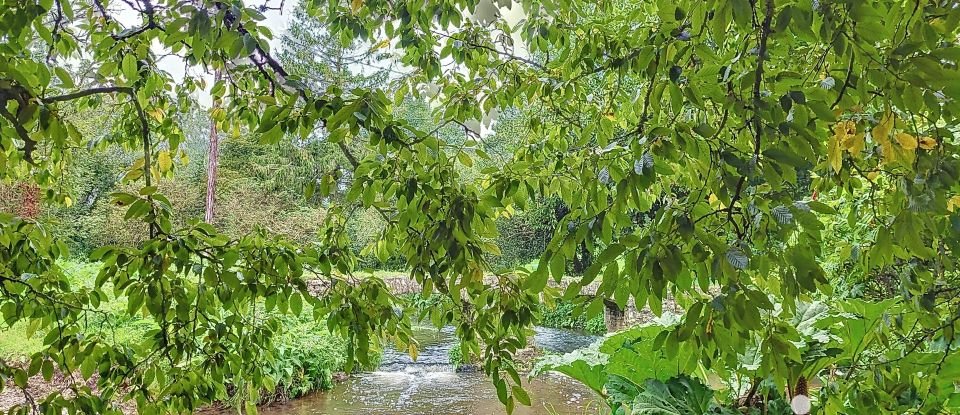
561 341
431 386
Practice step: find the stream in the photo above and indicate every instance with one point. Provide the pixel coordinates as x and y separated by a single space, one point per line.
432 386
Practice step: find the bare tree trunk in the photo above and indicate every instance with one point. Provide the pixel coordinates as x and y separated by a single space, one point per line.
213 159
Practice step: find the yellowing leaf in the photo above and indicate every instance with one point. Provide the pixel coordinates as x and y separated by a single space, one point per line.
67 201
881 135
156 113
412 351
928 143
854 144
610 117
218 114
953 203
883 128
907 141
164 161
381 44
834 153
355 6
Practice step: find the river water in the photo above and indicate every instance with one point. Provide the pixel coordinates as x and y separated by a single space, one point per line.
432 386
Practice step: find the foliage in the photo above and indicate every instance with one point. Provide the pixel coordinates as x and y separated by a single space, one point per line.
680 395
620 362
699 149
587 365
457 359
305 360
628 368
524 234
562 315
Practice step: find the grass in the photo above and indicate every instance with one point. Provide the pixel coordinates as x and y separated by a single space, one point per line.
15 344
115 325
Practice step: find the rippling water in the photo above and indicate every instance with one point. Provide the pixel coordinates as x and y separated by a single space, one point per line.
431 386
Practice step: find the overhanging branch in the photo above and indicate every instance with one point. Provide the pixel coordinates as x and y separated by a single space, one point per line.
757 101
144 125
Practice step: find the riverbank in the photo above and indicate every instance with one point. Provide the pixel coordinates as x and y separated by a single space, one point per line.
305 356
430 384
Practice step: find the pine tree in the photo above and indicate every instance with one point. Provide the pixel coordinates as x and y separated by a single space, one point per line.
322 60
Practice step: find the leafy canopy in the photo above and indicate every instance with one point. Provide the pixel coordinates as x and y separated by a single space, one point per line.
702 148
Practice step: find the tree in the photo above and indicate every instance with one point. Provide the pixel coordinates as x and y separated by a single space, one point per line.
213 154
701 116
323 60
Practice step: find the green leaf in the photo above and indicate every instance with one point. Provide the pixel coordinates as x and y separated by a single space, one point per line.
537 280
129 68
47 370
65 80
558 266
621 390
587 366
737 258
521 395
296 303
821 207
678 396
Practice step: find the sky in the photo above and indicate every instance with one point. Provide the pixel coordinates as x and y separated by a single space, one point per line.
275 20
278 18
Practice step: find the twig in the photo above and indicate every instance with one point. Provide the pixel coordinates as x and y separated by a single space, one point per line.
28 143
846 81
144 125
757 101
507 55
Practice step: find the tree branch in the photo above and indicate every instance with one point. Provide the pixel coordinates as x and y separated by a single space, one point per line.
757 101
507 55
87 92
103 10
142 118
28 144
846 81
148 10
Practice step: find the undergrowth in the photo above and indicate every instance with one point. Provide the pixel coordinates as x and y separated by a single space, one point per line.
562 316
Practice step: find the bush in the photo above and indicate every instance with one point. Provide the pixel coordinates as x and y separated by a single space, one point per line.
595 325
305 356
525 234
305 359
457 359
114 325
562 316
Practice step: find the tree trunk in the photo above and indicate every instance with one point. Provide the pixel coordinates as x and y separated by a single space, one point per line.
213 157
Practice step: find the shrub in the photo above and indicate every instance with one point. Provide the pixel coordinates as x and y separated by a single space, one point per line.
562 316
305 359
595 325
525 234
457 359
